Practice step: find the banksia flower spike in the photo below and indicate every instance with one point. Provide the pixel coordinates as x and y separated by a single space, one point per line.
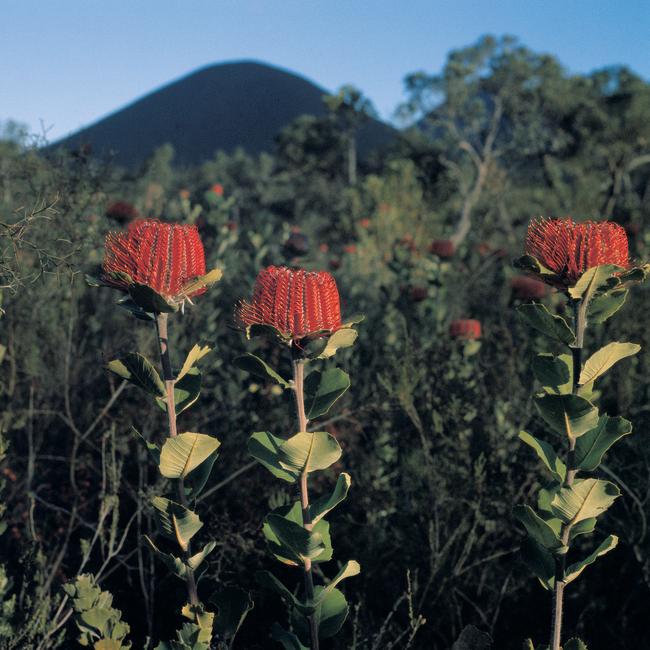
296 303
566 249
166 259
465 328
590 261
302 308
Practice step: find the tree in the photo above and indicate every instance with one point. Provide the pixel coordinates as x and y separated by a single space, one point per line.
351 109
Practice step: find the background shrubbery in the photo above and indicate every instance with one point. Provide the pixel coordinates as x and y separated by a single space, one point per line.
430 425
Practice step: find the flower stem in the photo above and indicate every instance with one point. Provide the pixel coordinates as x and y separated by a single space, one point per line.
168 378
298 386
580 311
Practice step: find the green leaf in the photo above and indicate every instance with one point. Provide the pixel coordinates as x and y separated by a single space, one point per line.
128 305
546 454
139 371
568 415
233 605
575 569
585 498
606 305
264 447
150 301
173 563
575 644
151 447
288 640
196 559
308 452
539 561
591 447
256 366
593 280
319 508
348 570
554 373
195 355
186 391
202 282
537 528
302 543
583 527
176 521
267 580
196 481
343 338
471 638
330 614
541 319
322 389
185 452
284 553
602 360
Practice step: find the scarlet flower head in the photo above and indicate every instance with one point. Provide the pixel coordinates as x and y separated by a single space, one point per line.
465 328
165 257
217 189
568 249
443 248
526 288
295 302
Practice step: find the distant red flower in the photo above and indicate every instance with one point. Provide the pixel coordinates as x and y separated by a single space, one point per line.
483 249
528 288
323 248
163 256
184 194
443 248
295 302
568 248
465 328
122 211
418 294
217 189
350 249
364 223
297 243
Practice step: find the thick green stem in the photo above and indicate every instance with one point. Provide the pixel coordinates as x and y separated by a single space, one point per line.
580 320
168 378
298 387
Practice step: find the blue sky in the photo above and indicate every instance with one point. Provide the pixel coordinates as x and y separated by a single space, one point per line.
69 63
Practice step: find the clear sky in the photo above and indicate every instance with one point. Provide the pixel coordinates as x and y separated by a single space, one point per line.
70 62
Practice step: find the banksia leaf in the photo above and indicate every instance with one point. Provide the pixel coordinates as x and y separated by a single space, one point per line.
602 360
139 371
264 447
308 452
176 521
575 569
183 453
591 447
568 415
322 389
541 319
584 499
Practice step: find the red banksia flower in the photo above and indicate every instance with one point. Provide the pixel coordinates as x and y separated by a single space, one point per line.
163 256
295 302
217 189
568 248
526 288
443 248
465 328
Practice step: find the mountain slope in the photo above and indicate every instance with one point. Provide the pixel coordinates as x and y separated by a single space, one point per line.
243 104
